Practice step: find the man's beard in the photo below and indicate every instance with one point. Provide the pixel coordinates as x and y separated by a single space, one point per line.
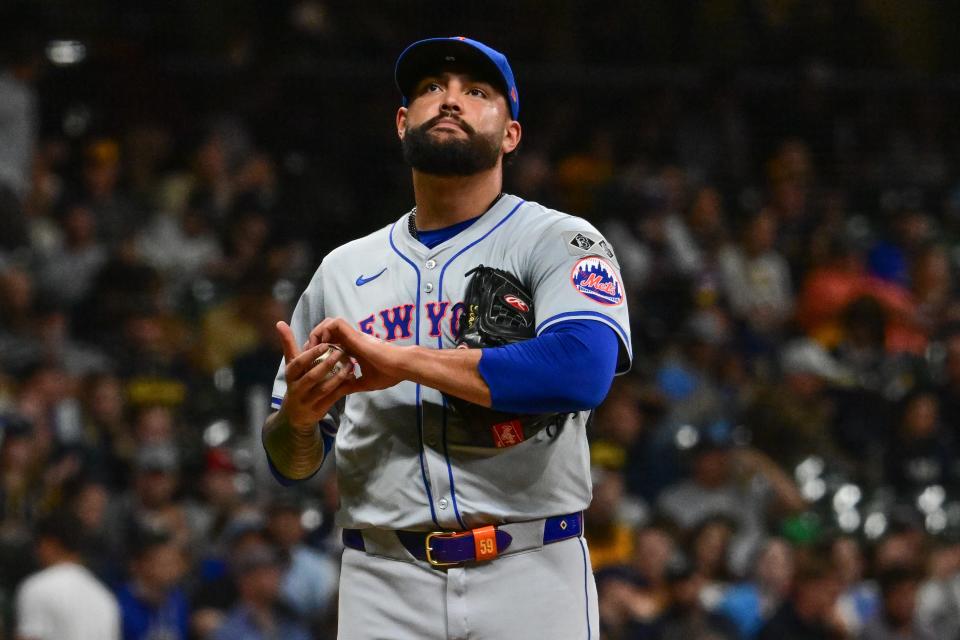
467 157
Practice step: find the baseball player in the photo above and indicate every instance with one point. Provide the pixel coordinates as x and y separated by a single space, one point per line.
456 527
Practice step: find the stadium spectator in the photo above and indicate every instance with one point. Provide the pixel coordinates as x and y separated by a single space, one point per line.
921 452
108 438
309 582
152 500
687 617
114 214
751 603
17 290
897 618
689 375
865 410
708 552
52 341
859 600
18 499
69 271
258 615
20 62
610 535
739 483
152 602
655 547
810 612
88 497
63 601
933 287
938 600
791 418
183 247
216 590
904 544
220 500
756 279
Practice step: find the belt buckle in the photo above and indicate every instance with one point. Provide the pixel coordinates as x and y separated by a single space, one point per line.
433 561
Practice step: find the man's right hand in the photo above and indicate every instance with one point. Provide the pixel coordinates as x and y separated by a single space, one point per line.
310 393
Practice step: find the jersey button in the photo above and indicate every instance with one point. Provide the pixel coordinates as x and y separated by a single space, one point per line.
442 503
430 264
431 441
428 287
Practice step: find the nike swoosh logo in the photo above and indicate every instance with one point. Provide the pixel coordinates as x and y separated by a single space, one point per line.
362 281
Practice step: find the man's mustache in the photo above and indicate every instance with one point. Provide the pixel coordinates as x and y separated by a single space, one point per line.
429 124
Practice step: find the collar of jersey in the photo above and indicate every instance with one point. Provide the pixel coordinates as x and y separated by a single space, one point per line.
477 227
435 237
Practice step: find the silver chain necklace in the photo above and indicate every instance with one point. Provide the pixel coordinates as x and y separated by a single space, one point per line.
412 218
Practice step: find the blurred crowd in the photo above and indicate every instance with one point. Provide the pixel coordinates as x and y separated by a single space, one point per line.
781 462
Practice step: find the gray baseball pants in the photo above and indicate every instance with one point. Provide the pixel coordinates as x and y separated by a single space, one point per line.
547 593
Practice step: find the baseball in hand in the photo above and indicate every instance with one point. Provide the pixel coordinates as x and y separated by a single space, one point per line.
323 356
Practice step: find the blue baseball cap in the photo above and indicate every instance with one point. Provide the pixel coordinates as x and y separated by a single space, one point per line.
427 56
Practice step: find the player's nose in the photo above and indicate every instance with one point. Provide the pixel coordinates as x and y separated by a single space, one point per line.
451 97
451 104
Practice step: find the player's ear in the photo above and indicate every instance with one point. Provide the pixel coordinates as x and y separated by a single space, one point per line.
511 137
401 122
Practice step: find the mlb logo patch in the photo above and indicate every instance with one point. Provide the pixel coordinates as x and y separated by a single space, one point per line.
507 434
596 278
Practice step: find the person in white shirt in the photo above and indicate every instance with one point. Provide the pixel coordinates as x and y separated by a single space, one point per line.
756 277
19 70
64 601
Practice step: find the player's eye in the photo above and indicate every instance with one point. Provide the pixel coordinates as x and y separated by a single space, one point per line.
477 92
432 87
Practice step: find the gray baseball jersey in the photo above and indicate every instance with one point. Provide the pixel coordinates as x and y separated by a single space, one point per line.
404 460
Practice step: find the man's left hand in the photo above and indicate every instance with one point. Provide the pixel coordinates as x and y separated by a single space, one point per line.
378 360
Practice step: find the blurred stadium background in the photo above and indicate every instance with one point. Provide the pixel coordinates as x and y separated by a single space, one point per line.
779 178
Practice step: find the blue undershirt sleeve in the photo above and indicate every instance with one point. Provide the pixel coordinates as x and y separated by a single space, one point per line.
569 367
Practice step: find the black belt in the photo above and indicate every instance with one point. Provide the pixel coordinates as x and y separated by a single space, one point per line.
455 548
